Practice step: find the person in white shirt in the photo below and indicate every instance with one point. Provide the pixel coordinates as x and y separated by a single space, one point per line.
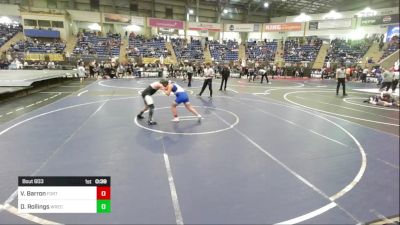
364 75
208 76
341 79
81 72
264 73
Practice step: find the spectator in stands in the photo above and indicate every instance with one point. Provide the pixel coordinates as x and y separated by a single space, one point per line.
7 31
92 44
225 51
38 46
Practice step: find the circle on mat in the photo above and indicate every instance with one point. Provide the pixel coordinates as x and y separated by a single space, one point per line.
223 121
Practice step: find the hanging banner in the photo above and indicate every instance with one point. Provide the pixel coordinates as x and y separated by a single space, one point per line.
204 26
330 24
245 27
175 24
281 27
116 18
137 20
377 20
393 30
85 16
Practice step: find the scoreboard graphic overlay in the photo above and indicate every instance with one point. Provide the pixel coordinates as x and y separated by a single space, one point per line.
64 194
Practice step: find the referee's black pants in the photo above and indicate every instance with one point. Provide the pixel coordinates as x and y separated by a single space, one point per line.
224 80
266 77
209 83
343 82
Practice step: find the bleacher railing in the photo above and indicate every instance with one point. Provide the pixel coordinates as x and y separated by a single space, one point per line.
42 57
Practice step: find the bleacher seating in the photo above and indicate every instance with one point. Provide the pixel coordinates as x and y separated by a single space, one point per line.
187 51
225 51
91 44
147 47
261 51
38 46
297 52
392 47
347 52
8 31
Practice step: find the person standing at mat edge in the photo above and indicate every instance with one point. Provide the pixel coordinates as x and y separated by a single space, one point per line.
387 80
208 76
341 79
189 71
148 100
395 81
225 75
81 72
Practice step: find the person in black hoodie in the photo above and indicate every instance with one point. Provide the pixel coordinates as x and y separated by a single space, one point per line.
225 75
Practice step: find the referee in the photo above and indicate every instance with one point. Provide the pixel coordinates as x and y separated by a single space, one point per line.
208 76
341 79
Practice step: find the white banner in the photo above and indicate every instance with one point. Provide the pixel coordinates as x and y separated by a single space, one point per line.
334 24
245 27
204 26
137 20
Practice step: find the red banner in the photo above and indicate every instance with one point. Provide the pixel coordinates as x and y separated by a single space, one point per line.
175 24
279 27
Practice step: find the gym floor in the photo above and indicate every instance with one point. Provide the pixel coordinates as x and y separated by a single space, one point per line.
287 152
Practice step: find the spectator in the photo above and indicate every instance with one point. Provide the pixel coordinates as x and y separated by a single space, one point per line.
225 75
387 80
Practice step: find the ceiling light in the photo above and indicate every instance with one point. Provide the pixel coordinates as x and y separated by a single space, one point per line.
266 4
225 11
332 15
367 12
302 18
191 11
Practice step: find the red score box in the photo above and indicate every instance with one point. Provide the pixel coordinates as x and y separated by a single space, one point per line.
104 193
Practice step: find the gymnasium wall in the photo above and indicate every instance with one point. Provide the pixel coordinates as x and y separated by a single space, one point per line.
77 19
9 10
64 32
208 12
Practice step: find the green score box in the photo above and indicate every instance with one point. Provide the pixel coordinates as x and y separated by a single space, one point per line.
103 206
